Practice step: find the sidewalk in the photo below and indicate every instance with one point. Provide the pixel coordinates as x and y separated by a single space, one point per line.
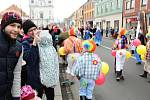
58 95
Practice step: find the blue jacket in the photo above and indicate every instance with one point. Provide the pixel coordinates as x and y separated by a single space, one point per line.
31 56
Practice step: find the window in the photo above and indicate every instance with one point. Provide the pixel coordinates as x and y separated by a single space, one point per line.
144 2
117 3
49 1
106 8
111 5
108 24
127 5
116 24
32 14
132 3
101 9
41 15
32 1
149 21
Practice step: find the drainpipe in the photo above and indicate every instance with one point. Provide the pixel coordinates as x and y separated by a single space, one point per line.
122 11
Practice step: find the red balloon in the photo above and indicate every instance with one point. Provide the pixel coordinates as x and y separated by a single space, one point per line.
113 53
101 79
136 42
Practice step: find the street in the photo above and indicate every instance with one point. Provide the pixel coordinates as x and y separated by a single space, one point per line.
132 88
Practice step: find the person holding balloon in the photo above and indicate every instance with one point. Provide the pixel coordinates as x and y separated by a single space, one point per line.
87 69
120 43
147 58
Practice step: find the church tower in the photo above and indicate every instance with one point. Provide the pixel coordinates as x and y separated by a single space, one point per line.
41 12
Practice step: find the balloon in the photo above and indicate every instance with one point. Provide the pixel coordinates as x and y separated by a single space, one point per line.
143 57
141 50
104 68
128 55
61 51
101 79
136 42
113 53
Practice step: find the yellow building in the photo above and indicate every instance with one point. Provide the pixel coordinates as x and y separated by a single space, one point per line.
88 13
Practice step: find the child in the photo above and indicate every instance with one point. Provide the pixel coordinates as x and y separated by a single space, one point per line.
132 47
120 60
87 69
27 93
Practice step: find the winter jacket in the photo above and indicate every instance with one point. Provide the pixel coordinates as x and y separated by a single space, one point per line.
9 54
31 56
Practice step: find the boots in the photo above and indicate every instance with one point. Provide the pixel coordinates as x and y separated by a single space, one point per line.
144 75
117 75
121 76
83 98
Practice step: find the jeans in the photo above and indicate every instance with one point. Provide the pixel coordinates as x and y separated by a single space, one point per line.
86 87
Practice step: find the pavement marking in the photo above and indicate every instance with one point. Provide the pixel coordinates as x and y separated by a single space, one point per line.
111 49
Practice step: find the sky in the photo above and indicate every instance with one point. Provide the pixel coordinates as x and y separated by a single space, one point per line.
62 8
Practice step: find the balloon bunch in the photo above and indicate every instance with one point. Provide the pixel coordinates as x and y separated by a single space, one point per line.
141 49
128 54
104 71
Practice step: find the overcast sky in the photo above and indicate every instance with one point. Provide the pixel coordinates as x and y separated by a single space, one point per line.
62 8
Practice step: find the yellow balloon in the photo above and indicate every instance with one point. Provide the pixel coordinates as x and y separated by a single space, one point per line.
61 51
143 57
104 68
128 55
141 49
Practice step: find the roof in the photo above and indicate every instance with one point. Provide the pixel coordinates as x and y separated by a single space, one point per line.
14 8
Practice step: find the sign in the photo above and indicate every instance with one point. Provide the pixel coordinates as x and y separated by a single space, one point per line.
132 20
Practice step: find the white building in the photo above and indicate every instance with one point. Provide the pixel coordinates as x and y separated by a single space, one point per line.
41 12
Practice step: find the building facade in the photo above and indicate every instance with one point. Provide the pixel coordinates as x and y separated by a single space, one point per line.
41 12
88 11
79 20
108 13
133 9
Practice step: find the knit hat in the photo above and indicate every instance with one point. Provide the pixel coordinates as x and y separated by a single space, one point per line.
10 17
27 25
27 93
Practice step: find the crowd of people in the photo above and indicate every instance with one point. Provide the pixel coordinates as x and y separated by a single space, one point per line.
29 60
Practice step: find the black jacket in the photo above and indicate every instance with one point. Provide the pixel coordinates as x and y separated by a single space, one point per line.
9 54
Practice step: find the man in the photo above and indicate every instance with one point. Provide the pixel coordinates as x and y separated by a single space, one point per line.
10 59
